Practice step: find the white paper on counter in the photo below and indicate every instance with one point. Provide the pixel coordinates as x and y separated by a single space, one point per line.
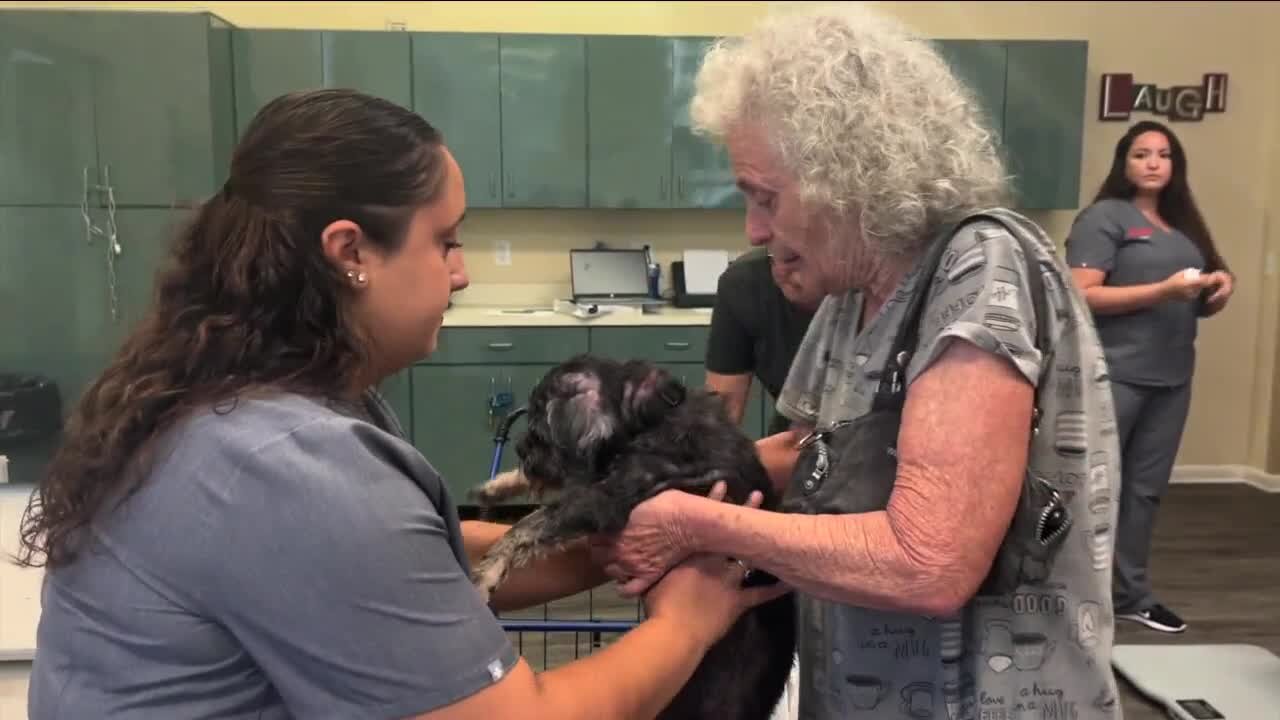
702 269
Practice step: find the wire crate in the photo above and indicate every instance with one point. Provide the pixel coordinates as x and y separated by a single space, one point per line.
560 632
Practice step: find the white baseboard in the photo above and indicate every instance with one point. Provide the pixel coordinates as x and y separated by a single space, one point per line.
1215 474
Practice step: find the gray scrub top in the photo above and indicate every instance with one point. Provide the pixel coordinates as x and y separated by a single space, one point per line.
280 560
1154 345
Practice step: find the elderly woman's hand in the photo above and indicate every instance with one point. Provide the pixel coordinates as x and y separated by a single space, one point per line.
655 539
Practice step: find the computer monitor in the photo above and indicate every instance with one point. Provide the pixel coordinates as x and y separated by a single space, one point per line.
603 275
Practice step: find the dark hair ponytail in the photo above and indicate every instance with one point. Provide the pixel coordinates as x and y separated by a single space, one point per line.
247 299
1176 204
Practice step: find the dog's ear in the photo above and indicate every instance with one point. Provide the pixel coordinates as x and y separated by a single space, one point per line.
578 416
649 393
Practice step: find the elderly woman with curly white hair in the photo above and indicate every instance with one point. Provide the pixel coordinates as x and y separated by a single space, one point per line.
947 489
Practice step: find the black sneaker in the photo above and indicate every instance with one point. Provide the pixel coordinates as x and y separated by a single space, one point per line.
1157 617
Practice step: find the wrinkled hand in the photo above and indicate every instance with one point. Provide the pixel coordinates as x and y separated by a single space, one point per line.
1225 285
705 596
654 540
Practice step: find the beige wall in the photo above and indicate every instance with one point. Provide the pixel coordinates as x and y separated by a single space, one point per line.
1233 156
1271 271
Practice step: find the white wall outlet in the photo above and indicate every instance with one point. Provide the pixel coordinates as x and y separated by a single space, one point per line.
399 25
502 252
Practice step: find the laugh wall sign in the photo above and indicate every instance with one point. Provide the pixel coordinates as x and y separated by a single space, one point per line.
1122 96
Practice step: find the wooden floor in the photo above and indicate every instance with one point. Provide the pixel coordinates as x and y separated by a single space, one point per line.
1216 562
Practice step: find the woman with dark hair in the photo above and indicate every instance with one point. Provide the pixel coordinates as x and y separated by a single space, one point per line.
235 525
1144 258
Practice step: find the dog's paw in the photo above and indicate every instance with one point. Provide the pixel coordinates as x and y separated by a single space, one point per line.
487 575
504 485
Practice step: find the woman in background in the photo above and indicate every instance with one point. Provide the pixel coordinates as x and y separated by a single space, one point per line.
235 525
1146 263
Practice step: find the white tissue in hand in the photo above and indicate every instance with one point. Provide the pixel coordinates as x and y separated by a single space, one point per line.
1191 273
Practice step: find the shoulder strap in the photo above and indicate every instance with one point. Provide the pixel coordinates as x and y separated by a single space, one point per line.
889 392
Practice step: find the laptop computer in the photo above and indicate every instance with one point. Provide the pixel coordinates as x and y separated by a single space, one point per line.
610 277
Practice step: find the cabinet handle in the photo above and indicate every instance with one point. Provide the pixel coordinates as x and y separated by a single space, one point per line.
509 186
501 346
680 187
662 188
493 187
677 345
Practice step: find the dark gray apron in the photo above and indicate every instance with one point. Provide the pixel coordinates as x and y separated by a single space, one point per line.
849 466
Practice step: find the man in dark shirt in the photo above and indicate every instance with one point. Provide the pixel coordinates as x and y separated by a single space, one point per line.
759 319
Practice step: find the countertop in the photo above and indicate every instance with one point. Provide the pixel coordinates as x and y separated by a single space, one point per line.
499 316
506 305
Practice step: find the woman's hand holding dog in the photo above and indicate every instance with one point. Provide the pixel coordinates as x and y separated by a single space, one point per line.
704 595
653 541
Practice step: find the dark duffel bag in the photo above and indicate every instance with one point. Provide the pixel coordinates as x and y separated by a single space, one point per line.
30 409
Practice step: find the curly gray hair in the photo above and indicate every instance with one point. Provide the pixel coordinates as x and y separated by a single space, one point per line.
867 117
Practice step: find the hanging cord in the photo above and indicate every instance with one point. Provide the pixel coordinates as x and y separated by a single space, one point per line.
110 234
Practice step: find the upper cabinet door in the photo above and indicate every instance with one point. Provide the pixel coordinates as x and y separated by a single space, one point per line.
373 62
160 114
629 111
544 121
270 63
455 87
1044 121
980 65
47 135
703 175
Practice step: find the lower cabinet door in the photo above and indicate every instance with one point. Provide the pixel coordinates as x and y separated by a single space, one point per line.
451 420
695 375
397 390
54 323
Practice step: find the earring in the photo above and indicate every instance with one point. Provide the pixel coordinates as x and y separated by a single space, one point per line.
359 279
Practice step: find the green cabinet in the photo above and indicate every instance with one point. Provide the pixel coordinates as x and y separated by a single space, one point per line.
508 345
980 65
544 128
53 289
48 143
53 318
1044 121
449 412
71 336
376 63
701 169
271 63
670 344
455 87
165 124
145 236
140 102
679 350
451 421
629 113
451 390
397 390
694 375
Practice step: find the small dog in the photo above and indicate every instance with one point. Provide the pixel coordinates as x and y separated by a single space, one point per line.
610 435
